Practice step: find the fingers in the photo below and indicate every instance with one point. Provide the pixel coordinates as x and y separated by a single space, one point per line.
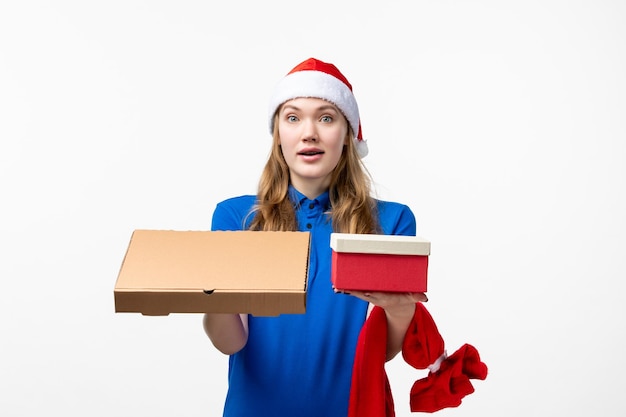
420 297
386 298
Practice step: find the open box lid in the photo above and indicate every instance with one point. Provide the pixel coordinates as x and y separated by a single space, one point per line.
238 263
379 244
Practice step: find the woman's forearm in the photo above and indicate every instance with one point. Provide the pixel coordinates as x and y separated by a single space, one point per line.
228 332
398 321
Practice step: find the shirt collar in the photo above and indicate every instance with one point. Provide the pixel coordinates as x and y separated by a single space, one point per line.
299 199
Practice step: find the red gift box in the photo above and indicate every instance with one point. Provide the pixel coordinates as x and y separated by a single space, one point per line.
379 262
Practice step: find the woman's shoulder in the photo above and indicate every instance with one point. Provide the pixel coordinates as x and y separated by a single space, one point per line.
395 217
391 206
241 200
233 213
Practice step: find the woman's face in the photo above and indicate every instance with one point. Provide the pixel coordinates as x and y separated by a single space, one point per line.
311 133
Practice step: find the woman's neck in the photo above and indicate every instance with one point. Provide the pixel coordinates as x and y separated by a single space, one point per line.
311 189
310 193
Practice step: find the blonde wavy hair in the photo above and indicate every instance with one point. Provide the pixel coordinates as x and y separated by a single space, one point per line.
353 209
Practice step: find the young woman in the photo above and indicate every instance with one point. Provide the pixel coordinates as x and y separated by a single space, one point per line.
314 180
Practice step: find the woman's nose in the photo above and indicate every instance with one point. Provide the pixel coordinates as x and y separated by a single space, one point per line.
309 132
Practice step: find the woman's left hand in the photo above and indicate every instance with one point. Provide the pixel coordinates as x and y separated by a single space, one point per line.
390 300
399 309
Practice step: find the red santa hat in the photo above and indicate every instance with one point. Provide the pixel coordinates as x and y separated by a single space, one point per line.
447 383
314 78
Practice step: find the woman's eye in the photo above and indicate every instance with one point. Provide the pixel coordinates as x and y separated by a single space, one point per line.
292 118
326 119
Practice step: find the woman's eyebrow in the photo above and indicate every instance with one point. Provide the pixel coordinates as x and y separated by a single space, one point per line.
325 107
290 106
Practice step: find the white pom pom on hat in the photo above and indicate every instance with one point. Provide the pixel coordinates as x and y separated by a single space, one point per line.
314 78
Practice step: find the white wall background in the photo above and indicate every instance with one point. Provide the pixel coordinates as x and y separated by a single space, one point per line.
500 123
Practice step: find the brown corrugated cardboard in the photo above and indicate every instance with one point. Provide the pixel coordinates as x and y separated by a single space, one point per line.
168 271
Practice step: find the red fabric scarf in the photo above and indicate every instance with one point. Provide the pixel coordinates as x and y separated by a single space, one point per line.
445 386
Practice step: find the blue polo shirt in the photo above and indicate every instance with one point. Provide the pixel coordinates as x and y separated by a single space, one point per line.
300 365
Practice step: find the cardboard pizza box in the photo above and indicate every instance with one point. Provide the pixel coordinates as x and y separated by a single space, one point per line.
168 271
379 262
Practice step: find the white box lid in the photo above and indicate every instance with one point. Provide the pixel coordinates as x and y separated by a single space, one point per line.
379 244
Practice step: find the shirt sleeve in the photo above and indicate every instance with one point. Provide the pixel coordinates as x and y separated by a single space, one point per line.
232 214
397 219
